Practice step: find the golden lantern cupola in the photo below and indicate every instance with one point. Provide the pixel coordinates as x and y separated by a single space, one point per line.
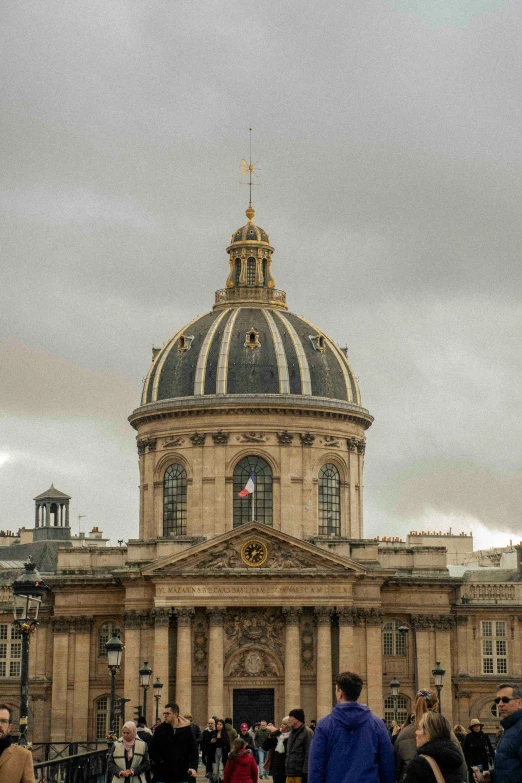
250 258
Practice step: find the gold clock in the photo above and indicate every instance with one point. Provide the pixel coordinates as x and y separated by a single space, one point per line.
254 553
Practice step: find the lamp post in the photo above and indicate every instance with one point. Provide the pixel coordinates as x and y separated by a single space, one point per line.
394 687
156 689
438 675
145 677
114 649
28 591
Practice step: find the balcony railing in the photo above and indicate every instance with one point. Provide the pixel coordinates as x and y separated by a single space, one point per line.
251 293
82 768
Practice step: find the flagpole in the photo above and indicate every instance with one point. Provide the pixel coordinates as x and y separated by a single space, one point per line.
253 508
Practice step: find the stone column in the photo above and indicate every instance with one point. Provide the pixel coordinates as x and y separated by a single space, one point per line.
131 661
161 650
216 660
184 658
59 686
443 626
40 718
82 648
323 616
424 664
346 623
292 658
374 621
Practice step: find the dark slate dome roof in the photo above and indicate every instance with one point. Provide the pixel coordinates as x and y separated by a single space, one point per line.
250 233
250 350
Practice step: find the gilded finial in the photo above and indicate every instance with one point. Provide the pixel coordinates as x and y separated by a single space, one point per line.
247 167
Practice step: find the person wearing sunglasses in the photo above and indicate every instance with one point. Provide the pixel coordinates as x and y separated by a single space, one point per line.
508 759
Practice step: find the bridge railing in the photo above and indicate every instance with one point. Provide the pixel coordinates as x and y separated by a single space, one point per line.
46 751
80 768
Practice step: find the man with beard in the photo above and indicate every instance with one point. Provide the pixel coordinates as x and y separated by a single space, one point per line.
16 763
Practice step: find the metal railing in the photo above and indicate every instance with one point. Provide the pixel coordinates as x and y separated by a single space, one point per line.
251 293
81 768
47 751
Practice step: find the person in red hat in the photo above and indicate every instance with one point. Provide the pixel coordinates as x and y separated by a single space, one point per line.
245 735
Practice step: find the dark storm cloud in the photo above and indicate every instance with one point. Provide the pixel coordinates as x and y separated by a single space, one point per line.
388 137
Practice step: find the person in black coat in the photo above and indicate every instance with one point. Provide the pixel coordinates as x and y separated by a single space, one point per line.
206 734
173 748
477 747
276 744
218 750
433 739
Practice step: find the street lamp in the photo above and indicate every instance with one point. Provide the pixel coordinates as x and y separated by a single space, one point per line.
156 689
145 677
394 687
438 675
28 591
114 649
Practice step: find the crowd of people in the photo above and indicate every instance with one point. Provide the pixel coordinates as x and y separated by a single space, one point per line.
350 745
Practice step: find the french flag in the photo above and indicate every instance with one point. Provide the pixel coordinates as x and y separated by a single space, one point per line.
249 487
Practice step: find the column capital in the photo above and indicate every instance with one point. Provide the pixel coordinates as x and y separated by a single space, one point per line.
161 617
292 614
184 614
132 620
216 615
374 616
61 624
422 622
323 615
347 615
82 624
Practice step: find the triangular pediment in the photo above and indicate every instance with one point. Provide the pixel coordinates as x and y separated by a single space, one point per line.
254 547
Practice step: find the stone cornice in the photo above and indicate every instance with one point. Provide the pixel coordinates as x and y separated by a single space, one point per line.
255 404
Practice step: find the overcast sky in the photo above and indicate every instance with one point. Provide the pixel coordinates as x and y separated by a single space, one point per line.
389 135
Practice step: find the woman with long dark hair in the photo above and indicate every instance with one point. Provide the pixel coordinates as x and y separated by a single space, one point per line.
218 750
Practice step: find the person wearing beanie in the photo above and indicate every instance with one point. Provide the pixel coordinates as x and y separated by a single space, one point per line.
351 745
298 748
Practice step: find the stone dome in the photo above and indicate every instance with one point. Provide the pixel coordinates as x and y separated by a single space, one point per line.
250 350
250 233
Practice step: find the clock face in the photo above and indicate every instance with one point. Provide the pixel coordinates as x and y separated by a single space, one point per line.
254 553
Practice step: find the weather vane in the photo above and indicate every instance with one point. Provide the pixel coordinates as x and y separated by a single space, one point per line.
249 168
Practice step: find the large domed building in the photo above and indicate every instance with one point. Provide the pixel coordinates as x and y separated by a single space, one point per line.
250 582
258 389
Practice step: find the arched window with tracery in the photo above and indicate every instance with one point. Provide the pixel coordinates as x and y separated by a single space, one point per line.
107 630
175 501
251 271
389 709
257 505
102 718
329 501
393 641
237 271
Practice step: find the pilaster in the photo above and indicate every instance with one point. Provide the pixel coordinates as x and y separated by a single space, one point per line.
184 616
216 617
292 616
323 615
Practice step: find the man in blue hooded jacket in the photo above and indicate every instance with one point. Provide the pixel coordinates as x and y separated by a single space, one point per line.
351 745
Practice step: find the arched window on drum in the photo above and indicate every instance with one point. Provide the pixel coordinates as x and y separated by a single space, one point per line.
329 501
175 501
258 504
